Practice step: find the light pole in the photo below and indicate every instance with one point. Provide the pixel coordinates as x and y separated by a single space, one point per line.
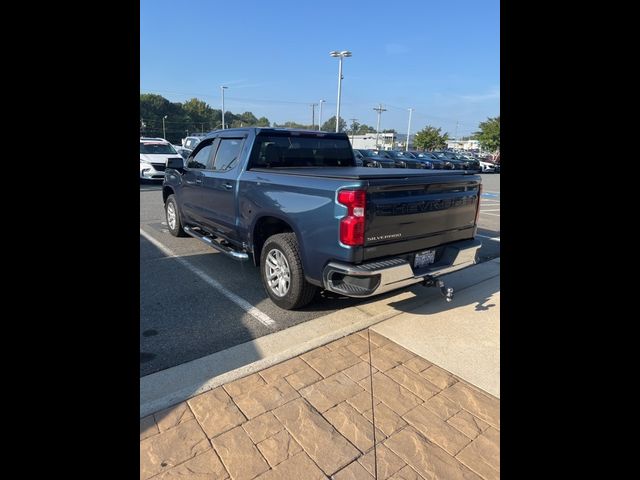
406 147
164 134
379 109
340 55
320 115
222 88
313 115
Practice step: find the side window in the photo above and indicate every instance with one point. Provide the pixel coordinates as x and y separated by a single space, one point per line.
201 157
227 155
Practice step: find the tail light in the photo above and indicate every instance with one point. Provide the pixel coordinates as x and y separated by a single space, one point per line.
352 226
478 208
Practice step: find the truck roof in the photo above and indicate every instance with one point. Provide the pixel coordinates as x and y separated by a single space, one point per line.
276 130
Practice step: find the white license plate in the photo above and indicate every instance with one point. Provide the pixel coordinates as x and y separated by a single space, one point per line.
424 258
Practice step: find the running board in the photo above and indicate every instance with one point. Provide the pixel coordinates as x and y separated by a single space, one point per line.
215 244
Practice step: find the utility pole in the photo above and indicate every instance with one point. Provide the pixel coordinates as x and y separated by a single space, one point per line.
379 109
406 147
352 129
313 116
320 115
456 132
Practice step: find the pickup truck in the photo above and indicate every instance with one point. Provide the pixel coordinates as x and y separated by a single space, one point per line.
296 204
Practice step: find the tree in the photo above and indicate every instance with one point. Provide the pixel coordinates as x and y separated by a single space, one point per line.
389 130
489 134
430 138
330 125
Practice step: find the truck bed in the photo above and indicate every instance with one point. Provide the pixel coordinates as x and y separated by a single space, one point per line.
359 173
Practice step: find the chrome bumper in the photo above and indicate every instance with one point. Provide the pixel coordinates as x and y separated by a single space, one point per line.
373 278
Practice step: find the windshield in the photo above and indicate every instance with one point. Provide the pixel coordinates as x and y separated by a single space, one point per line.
300 150
156 148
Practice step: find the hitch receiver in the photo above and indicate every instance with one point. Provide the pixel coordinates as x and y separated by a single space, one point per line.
447 292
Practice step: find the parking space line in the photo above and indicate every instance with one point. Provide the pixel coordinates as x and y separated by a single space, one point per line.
492 214
241 302
491 210
497 239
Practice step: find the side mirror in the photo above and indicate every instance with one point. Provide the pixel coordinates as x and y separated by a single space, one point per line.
176 163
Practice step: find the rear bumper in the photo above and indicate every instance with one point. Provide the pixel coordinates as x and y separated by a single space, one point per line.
374 278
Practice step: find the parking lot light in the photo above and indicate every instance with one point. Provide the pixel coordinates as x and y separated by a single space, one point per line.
340 55
222 88
164 133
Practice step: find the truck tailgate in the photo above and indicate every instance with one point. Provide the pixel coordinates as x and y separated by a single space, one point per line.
419 213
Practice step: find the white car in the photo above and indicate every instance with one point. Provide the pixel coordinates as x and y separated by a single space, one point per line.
487 167
154 153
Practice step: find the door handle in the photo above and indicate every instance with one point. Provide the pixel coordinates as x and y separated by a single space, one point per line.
228 186
199 180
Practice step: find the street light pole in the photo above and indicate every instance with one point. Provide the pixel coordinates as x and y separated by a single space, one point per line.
406 147
164 134
340 55
379 109
320 116
222 88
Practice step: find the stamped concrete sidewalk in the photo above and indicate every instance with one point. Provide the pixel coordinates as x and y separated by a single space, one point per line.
310 417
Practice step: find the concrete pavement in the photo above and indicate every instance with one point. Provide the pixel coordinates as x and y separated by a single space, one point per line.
303 406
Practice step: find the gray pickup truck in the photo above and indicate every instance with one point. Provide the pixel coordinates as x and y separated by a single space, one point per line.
295 203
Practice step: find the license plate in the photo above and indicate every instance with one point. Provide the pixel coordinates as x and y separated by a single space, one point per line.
424 258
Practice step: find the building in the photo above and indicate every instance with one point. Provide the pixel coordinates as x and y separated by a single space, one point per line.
463 144
386 141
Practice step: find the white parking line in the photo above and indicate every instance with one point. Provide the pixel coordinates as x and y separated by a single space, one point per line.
492 210
241 302
497 239
492 214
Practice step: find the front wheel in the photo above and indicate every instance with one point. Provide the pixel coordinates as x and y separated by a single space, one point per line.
282 273
173 217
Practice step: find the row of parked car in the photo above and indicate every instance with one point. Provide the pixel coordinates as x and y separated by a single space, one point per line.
436 160
154 153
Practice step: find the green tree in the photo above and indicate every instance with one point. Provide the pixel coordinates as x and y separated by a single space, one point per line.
389 130
489 134
430 138
330 125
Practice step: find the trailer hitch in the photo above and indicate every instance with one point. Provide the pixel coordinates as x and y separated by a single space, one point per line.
447 292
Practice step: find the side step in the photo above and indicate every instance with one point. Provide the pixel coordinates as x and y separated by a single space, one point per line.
215 243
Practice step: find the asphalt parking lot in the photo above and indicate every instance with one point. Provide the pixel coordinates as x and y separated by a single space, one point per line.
195 301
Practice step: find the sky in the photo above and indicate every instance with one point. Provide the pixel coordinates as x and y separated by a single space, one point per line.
441 58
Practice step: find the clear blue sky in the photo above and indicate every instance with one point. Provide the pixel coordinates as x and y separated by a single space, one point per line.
441 57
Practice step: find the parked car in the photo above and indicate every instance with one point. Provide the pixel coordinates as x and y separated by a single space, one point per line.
486 167
399 160
409 160
295 203
184 152
455 162
154 153
192 141
369 159
438 164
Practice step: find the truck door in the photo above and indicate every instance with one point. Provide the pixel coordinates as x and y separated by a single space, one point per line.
192 181
219 186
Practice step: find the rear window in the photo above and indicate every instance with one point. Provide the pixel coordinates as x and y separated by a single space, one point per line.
274 151
156 148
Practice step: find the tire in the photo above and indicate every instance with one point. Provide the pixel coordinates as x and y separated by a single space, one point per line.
279 253
176 230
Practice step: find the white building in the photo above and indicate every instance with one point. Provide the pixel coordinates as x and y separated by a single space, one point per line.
386 141
463 144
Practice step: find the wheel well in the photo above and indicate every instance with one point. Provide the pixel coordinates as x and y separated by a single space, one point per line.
265 227
166 191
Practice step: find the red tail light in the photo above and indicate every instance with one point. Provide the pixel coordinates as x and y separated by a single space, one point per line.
352 226
478 208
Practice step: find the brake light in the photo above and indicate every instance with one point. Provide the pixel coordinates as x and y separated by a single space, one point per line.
352 226
478 206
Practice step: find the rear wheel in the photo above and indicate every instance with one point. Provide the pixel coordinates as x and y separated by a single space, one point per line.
282 273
